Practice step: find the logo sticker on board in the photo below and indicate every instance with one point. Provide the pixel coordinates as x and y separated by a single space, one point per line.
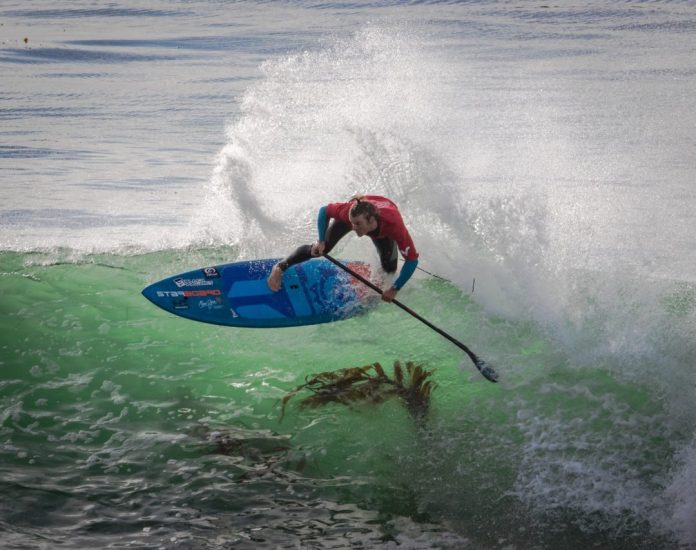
211 272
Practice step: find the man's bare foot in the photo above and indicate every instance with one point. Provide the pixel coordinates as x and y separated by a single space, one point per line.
275 279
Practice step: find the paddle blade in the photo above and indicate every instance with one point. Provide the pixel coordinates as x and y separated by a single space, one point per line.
487 371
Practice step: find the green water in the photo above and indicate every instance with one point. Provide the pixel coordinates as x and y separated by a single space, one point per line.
123 425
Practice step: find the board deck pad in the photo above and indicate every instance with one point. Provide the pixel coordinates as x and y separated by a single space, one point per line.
236 294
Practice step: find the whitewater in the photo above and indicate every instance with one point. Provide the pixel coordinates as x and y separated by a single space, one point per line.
542 156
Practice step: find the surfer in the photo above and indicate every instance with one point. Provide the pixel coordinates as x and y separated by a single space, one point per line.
371 215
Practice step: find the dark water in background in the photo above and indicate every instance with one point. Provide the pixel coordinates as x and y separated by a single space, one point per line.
544 151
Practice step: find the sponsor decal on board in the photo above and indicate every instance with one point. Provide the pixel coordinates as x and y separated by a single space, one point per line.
211 272
210 304
192 282
188 293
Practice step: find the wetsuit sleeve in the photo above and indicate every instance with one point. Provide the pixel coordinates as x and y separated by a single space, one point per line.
406 271
322 223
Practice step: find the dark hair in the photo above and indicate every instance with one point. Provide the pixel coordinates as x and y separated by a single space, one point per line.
363 208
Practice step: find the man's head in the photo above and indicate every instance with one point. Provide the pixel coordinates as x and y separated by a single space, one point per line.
363 216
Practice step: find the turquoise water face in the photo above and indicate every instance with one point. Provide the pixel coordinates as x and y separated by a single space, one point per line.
121 422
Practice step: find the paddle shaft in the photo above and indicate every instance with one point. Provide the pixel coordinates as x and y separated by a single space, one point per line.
408 310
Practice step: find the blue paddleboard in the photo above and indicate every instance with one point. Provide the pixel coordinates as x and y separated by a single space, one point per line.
236 294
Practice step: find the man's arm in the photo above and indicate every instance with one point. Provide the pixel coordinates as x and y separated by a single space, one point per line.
322 224
405 274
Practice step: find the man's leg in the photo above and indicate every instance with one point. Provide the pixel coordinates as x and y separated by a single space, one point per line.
388 254
334 233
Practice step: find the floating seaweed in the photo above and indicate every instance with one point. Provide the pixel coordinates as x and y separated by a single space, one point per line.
368 384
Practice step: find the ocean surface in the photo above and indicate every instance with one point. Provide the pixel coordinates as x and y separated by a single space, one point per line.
543 155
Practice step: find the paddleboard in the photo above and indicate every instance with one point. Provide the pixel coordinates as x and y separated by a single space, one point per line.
236 294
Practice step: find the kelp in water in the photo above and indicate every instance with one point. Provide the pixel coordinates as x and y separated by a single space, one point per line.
368 384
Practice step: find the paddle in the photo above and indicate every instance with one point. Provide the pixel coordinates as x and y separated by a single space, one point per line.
484 368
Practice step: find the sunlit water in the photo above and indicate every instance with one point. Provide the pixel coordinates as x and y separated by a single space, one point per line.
543 158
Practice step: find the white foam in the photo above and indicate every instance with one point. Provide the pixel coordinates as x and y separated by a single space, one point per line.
681 494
